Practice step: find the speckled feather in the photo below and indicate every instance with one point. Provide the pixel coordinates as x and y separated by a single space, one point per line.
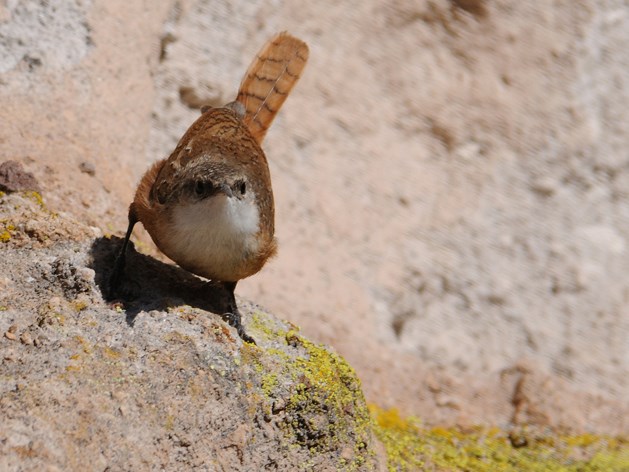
218 147
223 147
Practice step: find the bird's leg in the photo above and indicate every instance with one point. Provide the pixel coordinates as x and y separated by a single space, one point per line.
233 314
117 274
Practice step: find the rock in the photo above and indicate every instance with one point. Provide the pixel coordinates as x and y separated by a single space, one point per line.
87 168
373 175
25 338
163 373
14 178
10 336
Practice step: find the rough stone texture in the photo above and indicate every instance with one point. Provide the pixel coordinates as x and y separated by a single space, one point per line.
13 177
450 176
156 381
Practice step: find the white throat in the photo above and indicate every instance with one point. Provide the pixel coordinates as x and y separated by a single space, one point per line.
216 234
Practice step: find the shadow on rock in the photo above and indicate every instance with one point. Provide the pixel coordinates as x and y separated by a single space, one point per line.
149 284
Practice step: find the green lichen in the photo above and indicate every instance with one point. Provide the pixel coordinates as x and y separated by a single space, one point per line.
315 395
412 447
315 398
264 331
324 398
269 384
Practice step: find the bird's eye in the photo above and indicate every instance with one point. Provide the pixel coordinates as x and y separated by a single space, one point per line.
242 187
203 188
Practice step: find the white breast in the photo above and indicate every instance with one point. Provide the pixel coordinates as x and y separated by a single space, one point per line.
213 237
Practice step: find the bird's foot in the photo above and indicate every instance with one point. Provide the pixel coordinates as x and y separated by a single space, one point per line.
234 320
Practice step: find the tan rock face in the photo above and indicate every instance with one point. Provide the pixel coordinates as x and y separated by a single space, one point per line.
450 178
155 375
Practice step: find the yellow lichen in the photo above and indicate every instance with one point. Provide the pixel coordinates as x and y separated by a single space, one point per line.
258 324
319 396
321 408
400 438
169 423
79 305
7 229
87 349
269 384
36 197
177 337
412 447
110 353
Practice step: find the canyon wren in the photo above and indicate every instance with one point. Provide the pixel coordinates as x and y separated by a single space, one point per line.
209 205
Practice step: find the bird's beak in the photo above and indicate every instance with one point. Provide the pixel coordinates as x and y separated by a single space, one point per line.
226 189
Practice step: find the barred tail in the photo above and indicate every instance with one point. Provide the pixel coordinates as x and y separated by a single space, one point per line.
269 79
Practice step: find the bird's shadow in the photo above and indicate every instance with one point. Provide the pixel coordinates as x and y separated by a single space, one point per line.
149 284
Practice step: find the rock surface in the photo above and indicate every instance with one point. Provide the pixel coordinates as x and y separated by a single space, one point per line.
450 176
156 380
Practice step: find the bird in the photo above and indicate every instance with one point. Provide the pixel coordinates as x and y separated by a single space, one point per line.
209 206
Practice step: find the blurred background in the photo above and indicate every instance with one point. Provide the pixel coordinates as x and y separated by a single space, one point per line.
451 178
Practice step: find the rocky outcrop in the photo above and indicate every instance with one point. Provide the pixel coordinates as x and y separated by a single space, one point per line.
450 178
155 379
